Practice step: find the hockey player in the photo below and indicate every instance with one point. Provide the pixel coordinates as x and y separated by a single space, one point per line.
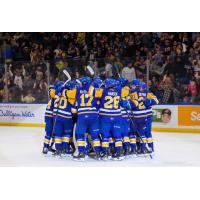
49 121
125 122
139 118
149 101
110 116
63 121
129 113
87 117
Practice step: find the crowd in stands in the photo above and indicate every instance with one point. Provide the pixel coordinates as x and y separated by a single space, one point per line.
33 61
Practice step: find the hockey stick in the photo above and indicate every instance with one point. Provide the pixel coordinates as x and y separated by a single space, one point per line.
74 140
91 70
68 76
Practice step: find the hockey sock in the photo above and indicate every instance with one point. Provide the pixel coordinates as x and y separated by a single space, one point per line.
65 142
118 145
133 141
58 143
126 142
111 143
143 141
97 145
46 141
105 145
80 139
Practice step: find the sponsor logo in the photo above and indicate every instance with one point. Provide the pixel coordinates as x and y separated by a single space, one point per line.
195 116
13 115
189 115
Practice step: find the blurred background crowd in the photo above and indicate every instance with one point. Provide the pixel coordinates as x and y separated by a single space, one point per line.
169 62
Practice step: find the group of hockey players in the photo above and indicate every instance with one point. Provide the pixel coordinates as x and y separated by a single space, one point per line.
108 119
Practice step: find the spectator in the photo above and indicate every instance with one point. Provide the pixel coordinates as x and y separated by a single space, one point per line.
1 88
108 69
73 51
28 82
40 89
164 53
197 81
192 89
129 72
167 90
28 98
18 79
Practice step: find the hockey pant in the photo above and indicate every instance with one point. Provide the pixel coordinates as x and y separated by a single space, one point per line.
108 129
90 125
63 133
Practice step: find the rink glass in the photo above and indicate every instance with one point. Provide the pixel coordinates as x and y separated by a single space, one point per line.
28 82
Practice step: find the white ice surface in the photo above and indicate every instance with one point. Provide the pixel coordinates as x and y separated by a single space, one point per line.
22 146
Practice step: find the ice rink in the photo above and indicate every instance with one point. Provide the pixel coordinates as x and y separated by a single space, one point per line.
22 146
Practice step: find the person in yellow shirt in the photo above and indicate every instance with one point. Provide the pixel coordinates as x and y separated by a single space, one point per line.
28 98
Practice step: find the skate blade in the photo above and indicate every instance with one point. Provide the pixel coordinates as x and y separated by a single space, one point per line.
142 155
79 159
66 155
106 158
58 157
118 159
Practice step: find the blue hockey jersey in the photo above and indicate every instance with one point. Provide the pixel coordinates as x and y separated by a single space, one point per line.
86 102
62 108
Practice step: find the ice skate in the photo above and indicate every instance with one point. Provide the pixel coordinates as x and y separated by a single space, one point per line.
118 156
66 153
106 156
52 150
126 152
57 154
143 152
94 155
133 152
80 157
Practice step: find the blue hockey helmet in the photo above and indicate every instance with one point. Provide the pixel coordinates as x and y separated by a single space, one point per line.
135 82
143 85
85 80
70 85
58 84
123 81
110 83
97 82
